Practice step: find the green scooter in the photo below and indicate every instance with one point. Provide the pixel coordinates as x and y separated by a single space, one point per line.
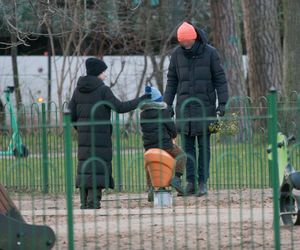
289 179
15 147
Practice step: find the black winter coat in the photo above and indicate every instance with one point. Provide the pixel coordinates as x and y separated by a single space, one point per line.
157 126
196 73
95 140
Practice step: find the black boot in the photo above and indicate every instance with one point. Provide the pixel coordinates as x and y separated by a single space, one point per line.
176 183
202 190
83 198
189 190
93 200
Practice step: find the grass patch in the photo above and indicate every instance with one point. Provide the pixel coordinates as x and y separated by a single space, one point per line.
233 165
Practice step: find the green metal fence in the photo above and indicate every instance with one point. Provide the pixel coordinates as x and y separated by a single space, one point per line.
241 210
44 169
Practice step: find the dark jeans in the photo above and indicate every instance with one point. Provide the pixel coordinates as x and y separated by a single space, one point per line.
189 143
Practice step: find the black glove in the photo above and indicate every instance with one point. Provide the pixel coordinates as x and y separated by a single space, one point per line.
171 111
145 97
221 110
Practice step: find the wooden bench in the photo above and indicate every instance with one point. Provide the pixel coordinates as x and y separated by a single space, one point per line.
15 233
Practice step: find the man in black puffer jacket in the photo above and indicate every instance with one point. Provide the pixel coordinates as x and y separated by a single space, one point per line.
92 100
196 76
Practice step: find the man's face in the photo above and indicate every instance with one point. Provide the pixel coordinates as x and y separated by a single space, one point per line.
102 76
187 44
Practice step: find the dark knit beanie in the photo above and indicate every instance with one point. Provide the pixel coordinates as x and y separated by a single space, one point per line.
95 66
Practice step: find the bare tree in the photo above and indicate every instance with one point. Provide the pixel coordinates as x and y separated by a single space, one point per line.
12 19
11 22
147 28
113 82
65 23
261 27
76 27
158 40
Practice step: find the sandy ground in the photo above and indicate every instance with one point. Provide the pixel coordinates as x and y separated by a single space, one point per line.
227 219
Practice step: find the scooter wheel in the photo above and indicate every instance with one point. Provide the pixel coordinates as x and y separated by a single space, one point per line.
288 209
24 152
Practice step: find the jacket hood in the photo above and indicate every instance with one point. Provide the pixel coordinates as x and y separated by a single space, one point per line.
89 83
198 46
202 37
153 105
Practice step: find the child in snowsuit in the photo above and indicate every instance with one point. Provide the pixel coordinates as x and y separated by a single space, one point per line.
161 135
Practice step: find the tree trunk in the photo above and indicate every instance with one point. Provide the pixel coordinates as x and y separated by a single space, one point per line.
263 46
60 106
49 89
14 54
158 72
291 48
2 116
227 38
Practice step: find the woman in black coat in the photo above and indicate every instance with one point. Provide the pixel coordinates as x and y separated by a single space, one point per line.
94 170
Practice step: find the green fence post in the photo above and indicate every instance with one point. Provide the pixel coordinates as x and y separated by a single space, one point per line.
45 150
118 145
273 165
69 176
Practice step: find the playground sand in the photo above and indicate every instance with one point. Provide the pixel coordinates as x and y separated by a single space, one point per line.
225 219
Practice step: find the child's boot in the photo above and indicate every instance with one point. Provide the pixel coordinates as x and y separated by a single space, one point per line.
176 183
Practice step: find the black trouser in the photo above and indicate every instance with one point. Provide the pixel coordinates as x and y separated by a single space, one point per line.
90 198
203 158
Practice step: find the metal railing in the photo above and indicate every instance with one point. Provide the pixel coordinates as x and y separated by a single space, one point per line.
241 208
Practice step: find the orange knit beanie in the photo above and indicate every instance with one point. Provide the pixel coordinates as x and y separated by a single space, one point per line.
186 32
